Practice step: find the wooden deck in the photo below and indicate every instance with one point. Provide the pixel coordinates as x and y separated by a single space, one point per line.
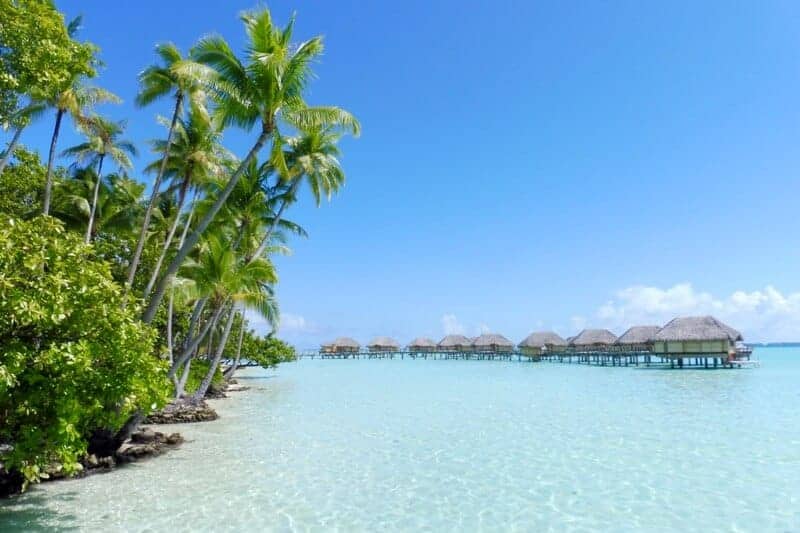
596 358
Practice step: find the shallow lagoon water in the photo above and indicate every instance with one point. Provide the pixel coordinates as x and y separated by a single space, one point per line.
409 445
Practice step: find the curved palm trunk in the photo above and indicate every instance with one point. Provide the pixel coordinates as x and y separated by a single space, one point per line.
277 220
48 183
203 388
137 255
194 237
229 373
170 311
192 344
136 418
10 151
90 226
170 236
181 384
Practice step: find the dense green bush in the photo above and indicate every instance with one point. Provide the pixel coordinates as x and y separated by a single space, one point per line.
38 57
71 359
21 185
267 352
197 372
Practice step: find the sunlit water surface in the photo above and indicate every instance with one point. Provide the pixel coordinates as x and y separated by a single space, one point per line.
368 445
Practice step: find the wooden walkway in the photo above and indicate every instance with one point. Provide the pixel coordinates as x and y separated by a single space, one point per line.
595 358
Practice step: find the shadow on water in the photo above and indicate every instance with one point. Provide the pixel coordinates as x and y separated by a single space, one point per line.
256 378
33 512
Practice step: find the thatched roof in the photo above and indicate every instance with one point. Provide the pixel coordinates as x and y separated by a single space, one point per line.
540 339
697 328
639 335
422 342
345 342
451 341
491 339
590 337
383 342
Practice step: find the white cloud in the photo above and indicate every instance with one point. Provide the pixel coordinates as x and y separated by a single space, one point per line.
760 314
451 325
292 322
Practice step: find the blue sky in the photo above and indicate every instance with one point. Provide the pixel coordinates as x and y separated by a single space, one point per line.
525 165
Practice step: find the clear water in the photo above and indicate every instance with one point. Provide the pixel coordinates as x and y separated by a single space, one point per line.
373 445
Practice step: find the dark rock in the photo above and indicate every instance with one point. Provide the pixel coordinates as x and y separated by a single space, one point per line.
183 411
174 438
10 483
143 436
102 443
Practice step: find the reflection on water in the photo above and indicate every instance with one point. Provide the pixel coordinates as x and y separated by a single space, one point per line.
365 445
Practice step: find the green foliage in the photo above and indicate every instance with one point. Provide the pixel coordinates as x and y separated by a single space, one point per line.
268 352
197 372
71 359
38 56
21 185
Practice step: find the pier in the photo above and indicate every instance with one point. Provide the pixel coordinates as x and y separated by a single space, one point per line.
614 358
684 342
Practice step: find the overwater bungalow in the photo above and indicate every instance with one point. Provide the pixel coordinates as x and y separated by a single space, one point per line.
593 340
540 342
638 339
326 348
691 336
383 344
454 343
492 343
342 345
422 345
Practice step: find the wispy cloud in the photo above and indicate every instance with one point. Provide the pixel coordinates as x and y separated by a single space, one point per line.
291 322
451 325
765 314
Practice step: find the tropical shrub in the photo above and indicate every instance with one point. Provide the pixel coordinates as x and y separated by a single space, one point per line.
72 360
38 57
21 185
268 352
197 372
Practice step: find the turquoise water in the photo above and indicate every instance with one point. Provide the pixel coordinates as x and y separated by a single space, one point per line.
391 445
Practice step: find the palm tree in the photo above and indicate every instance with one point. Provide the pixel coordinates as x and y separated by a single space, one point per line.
157 81
312 157
266 90
76 101
19 121
194 156
102 139
227 281
118 202
250 209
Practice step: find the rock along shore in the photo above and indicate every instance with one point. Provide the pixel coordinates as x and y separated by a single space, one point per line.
143 444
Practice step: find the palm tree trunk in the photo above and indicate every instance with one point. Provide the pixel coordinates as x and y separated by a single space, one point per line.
265 241
137 255
48 184
168 240
203 388
170 310
194 237
89 227
193 343
229 373
181 385
11 146
136 418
